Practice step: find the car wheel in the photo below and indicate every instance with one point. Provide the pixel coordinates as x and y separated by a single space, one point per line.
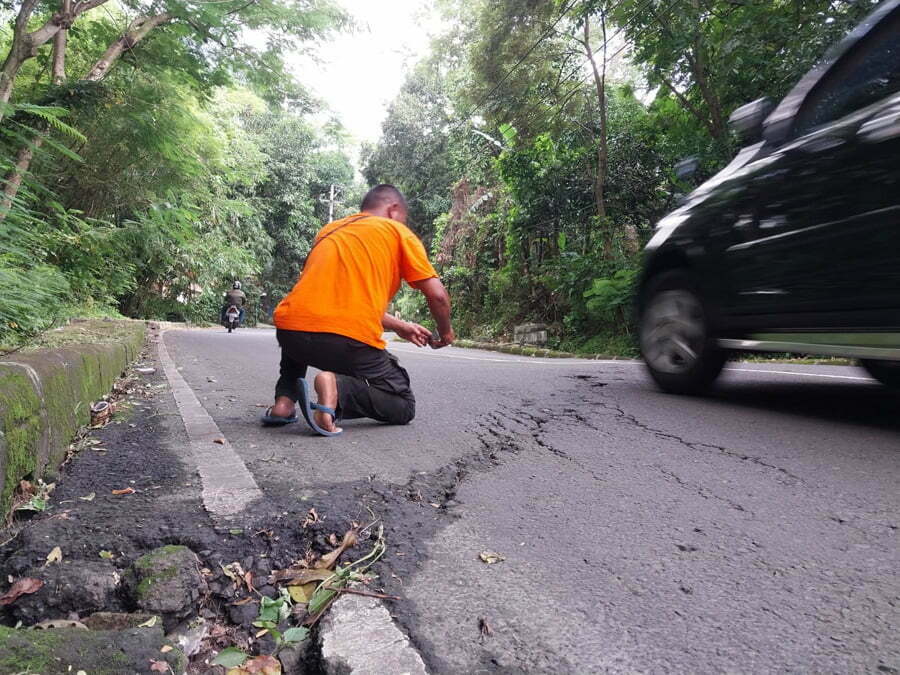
676 338
886 372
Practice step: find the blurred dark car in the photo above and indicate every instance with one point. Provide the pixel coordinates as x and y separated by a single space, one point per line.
794 246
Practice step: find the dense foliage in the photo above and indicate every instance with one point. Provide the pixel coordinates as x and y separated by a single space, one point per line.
143 181
538 141
154 152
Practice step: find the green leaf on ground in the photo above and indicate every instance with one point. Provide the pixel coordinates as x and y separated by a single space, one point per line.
34 504
320 600
294 635
230 657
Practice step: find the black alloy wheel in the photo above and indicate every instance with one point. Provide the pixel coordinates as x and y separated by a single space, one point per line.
676 339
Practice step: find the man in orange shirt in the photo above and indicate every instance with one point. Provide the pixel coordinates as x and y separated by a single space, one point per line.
335 315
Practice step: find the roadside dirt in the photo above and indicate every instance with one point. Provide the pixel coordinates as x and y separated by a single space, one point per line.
143 448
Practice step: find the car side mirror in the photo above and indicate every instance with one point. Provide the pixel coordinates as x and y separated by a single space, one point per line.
686 168
747 121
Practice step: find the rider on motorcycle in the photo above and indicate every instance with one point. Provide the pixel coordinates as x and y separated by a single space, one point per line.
235 297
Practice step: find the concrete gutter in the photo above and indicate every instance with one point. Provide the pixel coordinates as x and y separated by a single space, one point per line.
45 397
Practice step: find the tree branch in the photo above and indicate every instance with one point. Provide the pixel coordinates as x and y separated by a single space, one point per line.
137 31
85 5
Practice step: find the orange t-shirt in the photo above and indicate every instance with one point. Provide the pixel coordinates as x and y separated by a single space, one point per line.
351 276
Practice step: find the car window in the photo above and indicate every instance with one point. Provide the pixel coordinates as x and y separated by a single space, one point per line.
867 75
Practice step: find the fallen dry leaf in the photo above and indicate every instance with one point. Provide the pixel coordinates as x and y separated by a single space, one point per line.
312 517
262 665
88 498
304 593
24 586
490 557
300 576
159 666
165 649
328 561
124 491
220 441
54 556
149 623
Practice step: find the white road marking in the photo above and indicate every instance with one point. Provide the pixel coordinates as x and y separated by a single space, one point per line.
790 372
228 486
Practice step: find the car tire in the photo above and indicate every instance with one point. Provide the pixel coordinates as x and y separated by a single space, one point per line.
886 372
676 337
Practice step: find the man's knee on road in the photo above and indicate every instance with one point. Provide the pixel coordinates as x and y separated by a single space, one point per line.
402 413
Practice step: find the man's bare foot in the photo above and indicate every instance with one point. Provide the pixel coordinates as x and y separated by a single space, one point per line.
284 407
327 395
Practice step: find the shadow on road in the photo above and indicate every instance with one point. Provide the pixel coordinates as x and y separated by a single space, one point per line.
869 405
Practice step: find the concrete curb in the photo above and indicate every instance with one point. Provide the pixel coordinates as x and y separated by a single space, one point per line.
358 636
45 396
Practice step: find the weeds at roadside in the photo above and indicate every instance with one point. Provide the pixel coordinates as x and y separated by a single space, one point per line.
306 591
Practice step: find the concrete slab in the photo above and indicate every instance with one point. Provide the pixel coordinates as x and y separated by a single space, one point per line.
359 636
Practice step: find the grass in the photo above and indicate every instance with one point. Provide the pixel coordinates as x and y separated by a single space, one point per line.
80 332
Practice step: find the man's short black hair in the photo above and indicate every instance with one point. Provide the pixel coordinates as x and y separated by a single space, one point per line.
381 194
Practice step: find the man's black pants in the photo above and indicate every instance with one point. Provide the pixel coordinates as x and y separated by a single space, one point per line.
371 382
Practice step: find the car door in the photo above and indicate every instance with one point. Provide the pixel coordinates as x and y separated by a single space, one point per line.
816 236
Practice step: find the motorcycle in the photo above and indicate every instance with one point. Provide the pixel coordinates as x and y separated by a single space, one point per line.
232 317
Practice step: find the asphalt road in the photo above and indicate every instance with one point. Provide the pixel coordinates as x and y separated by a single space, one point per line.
754 530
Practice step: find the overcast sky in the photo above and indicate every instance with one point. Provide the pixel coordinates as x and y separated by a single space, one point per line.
360 73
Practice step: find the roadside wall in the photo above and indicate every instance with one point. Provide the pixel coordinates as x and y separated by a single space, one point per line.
46 395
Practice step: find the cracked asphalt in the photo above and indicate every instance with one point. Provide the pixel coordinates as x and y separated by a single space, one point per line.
754 530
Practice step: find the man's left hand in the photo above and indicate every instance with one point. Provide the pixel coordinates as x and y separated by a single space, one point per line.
413 332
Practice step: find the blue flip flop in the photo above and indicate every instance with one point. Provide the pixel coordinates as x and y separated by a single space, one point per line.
307 407
270 420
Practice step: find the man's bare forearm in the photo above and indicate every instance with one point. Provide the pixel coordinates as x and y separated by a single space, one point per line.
438 304
391 323
440 309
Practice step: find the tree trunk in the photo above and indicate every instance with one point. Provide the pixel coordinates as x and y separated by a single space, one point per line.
14 179
600 84
8 78
697 59
60 41
716 118
603 137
